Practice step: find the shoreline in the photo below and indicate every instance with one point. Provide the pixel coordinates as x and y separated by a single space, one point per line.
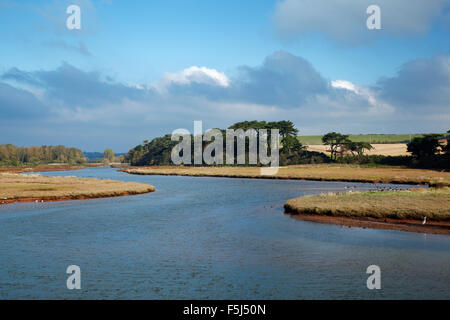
74 197
341 173
409 225
16 187
273 177
414 210
43 168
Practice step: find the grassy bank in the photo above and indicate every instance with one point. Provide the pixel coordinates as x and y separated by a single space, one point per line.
17 187
394 210
347 173
407 204
41 168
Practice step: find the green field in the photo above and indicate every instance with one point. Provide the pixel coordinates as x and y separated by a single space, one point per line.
370 138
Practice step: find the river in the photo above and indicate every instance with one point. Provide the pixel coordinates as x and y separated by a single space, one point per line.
208 238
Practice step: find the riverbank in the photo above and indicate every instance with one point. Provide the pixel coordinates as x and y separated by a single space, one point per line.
403 210
345 173
395 210
41 168
28 188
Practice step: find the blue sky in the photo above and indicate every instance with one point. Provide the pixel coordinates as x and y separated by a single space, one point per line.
139 69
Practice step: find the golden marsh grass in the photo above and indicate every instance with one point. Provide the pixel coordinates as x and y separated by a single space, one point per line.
349 173
19 187
408 204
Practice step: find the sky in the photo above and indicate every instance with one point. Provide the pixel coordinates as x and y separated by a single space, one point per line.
140 69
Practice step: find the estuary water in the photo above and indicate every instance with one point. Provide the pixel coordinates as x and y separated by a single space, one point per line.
208 238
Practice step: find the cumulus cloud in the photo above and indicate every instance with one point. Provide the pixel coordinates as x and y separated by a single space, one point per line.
17 103
344 84
196 74
284 86
72 87
346 20
283 79
419 84
376 106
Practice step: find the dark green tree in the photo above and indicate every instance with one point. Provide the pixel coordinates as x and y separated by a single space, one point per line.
335 141
357 147
426 146
291 145
287 129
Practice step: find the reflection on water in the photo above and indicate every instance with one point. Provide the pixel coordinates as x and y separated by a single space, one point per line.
201 238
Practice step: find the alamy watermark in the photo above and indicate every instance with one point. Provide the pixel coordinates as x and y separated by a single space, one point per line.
374 280
74 280
373 22
208 147
74 19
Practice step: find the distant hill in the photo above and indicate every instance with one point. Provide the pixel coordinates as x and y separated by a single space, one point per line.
98 155
370 138
93 155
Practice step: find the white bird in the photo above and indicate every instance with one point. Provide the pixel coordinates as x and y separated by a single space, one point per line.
424 220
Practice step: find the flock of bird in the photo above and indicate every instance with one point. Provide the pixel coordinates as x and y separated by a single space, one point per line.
377 188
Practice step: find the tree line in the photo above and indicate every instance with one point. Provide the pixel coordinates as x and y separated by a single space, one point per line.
158 150
430 151
420 147
427 151
341 145
14 156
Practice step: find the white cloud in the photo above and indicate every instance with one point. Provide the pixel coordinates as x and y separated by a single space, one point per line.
344 84
282 87
421 84
376 106
193 74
